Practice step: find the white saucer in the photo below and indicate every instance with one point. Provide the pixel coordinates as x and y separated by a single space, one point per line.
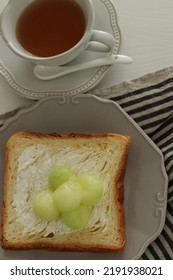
19 73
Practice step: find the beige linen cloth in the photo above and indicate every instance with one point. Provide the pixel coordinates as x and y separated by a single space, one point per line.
149 101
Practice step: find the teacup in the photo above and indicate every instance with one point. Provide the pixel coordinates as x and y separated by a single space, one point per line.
30 27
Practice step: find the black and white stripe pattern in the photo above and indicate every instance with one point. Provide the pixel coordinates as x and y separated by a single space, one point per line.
149 101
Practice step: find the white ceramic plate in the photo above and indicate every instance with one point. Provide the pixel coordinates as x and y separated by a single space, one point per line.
19 73
146 181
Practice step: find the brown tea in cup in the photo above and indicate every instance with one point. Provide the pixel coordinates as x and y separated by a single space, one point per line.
50 27
45 41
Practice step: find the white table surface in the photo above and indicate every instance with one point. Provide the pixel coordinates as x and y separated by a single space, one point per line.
147 36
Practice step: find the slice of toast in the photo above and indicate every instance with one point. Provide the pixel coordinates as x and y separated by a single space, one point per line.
28 161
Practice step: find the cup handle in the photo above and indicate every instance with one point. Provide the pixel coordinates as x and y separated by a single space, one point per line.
101 41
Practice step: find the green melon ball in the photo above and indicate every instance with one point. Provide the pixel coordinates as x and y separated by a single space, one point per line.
44 206
92 188
58 176
78 218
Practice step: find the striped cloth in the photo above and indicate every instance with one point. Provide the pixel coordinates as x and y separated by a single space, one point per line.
149 101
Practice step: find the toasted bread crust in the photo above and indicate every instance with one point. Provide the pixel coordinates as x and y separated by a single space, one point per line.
49 242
